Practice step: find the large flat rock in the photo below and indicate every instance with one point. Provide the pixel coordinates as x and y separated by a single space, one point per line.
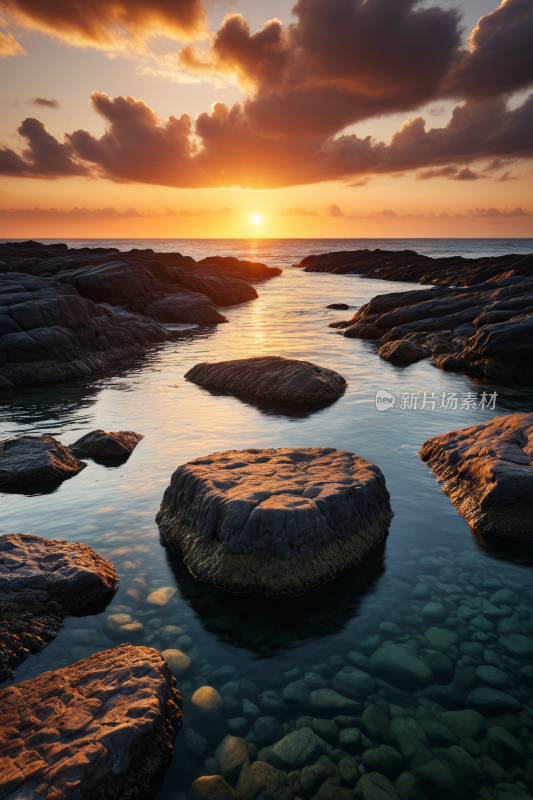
42 580
271 378
277 521
35 460
486 471
100 728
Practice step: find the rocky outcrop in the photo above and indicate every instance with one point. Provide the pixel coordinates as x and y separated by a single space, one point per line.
67 313
406 265
41 581
277 521
96 730
487 472
104 444
271 378
34 460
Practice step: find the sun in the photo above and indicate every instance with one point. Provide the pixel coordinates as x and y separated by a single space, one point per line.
257 220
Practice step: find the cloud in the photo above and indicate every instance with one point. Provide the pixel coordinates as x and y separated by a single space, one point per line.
43 102
508 177
334 211
451 172
10 47
298 212
104 213
200 212
362 182
113 24
45 156
517 213
437 112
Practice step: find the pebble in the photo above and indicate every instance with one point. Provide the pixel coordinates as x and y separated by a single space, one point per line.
237 725
162 597
211 786
434 612
492 676
330 700
231 754
296 693
353 682
266 730
294 751
206 704
249 709
384 759
492 702
178 662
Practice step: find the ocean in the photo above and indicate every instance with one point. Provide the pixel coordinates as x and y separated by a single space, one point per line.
267 644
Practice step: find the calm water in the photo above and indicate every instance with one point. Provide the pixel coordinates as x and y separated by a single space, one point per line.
260 641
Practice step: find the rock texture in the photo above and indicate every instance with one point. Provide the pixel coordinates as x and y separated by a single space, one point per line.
271 378
104 444
96 730
67 313
487 472
33 460
42 580
277 521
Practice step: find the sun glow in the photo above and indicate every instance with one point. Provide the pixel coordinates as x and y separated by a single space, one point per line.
257 220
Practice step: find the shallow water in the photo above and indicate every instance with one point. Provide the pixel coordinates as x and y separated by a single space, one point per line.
260 641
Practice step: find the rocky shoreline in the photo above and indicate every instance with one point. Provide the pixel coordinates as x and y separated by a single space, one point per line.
67 313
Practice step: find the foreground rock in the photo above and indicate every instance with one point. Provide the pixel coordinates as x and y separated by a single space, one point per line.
271 378
104 444
41 581
67 313
100 728
35 460
274 521
486 471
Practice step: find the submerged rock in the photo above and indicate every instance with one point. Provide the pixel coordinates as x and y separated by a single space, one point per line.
104 444
41 581
271 378
487 472
277 521
99 728
34 460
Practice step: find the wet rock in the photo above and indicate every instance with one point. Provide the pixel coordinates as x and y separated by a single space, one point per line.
505 597
439 664
101 444
237 724
108 725
354 741
266 730
493 772
271 378
434 612
492 701
271 701
466 722
296 693
329 700
438 733
492 676
408 787
41 581
412 741
262 781
441 638
402 352
441 779
34 460
384 759
326 729
339 306
353 682
504 745
178 662
517 645
294 751
231 754
400 666
206 705
121 626
161 597
278 517
375 786
487 473
311 778
453 695
5 384
249 709
348 770
362 331
467 767
194 742
211 787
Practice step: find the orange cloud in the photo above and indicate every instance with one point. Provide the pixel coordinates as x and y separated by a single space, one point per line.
109 24
9 46
104 213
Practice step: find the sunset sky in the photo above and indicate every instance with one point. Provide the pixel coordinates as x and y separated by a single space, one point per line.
245 118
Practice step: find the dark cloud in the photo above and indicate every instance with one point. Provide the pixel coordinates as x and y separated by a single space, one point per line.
45 156
43 102
10 47
451 172
109 24
517 213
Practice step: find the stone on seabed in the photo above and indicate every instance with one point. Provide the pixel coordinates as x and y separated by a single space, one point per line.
109 726
277 521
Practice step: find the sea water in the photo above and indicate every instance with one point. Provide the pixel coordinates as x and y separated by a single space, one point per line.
245 645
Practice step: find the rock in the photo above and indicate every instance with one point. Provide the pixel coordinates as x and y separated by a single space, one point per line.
5 384
206 704
326 729
440 779
438 733
249 709
211 787
434 612
517 645
465 722
384 759
487 473
161 597
505 597
348 770
492 771
503 743
330 700
41 581
237 725
467 767
272 378
274 521
441 638
408 787
193 742
311 777
108 720
374 786
411 740
439 664
492 702
339 306
492 676
376 722
266 730
262 781
402 352
178 662
400 666
122 626
101 444
34 460
294 751
231 754
296 693
353 682
362 331
353 741
271 701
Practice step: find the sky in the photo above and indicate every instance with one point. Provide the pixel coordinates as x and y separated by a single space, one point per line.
260 118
